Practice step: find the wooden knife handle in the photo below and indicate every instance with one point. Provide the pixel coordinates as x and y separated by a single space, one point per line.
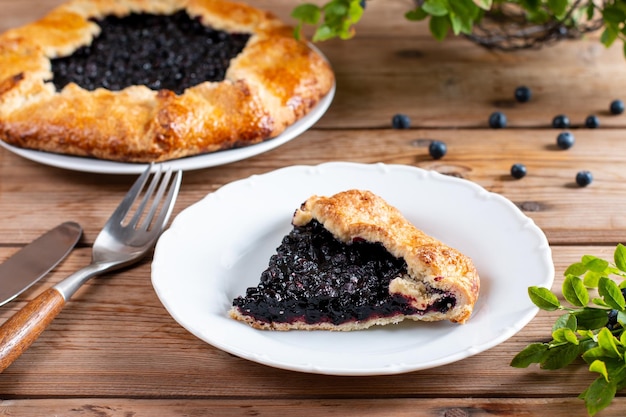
21 330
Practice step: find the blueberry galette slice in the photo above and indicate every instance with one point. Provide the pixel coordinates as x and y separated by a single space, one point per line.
153 80
352 261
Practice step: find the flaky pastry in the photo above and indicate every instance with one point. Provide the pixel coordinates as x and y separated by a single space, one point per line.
273 82
419 277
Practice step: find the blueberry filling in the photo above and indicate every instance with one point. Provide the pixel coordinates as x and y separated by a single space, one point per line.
171 52
315 278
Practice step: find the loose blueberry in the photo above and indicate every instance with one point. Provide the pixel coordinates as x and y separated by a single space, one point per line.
363 4
437 149
617 107
400 121
565 140
584 178
522 94
518 171
560 122
497 120
592 121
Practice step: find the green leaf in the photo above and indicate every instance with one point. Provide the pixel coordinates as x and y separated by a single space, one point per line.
595 353
560 356
610 292
439 27
595 264
416 15
576 269
566 321
559 7
436 7
599 367
543 298
324 32
461 24
564 335
591 8
307 13
613 14
591 318
608 343
485 4
600 302
335 8
599 395
619 257
574 291
609 35
591 279
533 353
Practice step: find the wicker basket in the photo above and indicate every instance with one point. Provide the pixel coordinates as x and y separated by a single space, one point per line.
506 27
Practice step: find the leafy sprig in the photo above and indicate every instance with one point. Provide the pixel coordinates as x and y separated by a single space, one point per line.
337 18
333 20
591 326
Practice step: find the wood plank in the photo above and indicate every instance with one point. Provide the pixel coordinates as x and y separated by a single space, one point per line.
409 407
115 339
381 18
34 198
457 84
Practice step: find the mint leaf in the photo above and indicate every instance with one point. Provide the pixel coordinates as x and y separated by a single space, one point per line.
532 353
543 298
574 291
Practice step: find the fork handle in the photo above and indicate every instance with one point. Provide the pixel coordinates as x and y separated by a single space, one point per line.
21 330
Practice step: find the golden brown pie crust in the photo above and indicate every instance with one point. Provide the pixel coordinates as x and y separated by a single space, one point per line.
272 83
360 214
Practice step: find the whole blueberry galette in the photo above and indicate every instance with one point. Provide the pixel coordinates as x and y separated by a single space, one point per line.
154 80
353 261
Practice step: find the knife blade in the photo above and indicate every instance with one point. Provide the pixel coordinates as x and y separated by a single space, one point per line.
35 260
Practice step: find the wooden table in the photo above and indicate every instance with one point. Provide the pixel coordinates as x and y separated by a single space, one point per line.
115 351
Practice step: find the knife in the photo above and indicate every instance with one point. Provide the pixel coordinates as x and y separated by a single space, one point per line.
35 260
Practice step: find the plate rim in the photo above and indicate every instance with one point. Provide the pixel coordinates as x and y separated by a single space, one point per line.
190 163
520 322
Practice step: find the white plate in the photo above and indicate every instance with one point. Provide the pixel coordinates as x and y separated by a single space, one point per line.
102 166
219 246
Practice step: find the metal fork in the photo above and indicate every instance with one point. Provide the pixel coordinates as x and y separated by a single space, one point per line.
120 243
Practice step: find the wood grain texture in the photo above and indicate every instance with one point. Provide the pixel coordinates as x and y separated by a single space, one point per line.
115 339
409 407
